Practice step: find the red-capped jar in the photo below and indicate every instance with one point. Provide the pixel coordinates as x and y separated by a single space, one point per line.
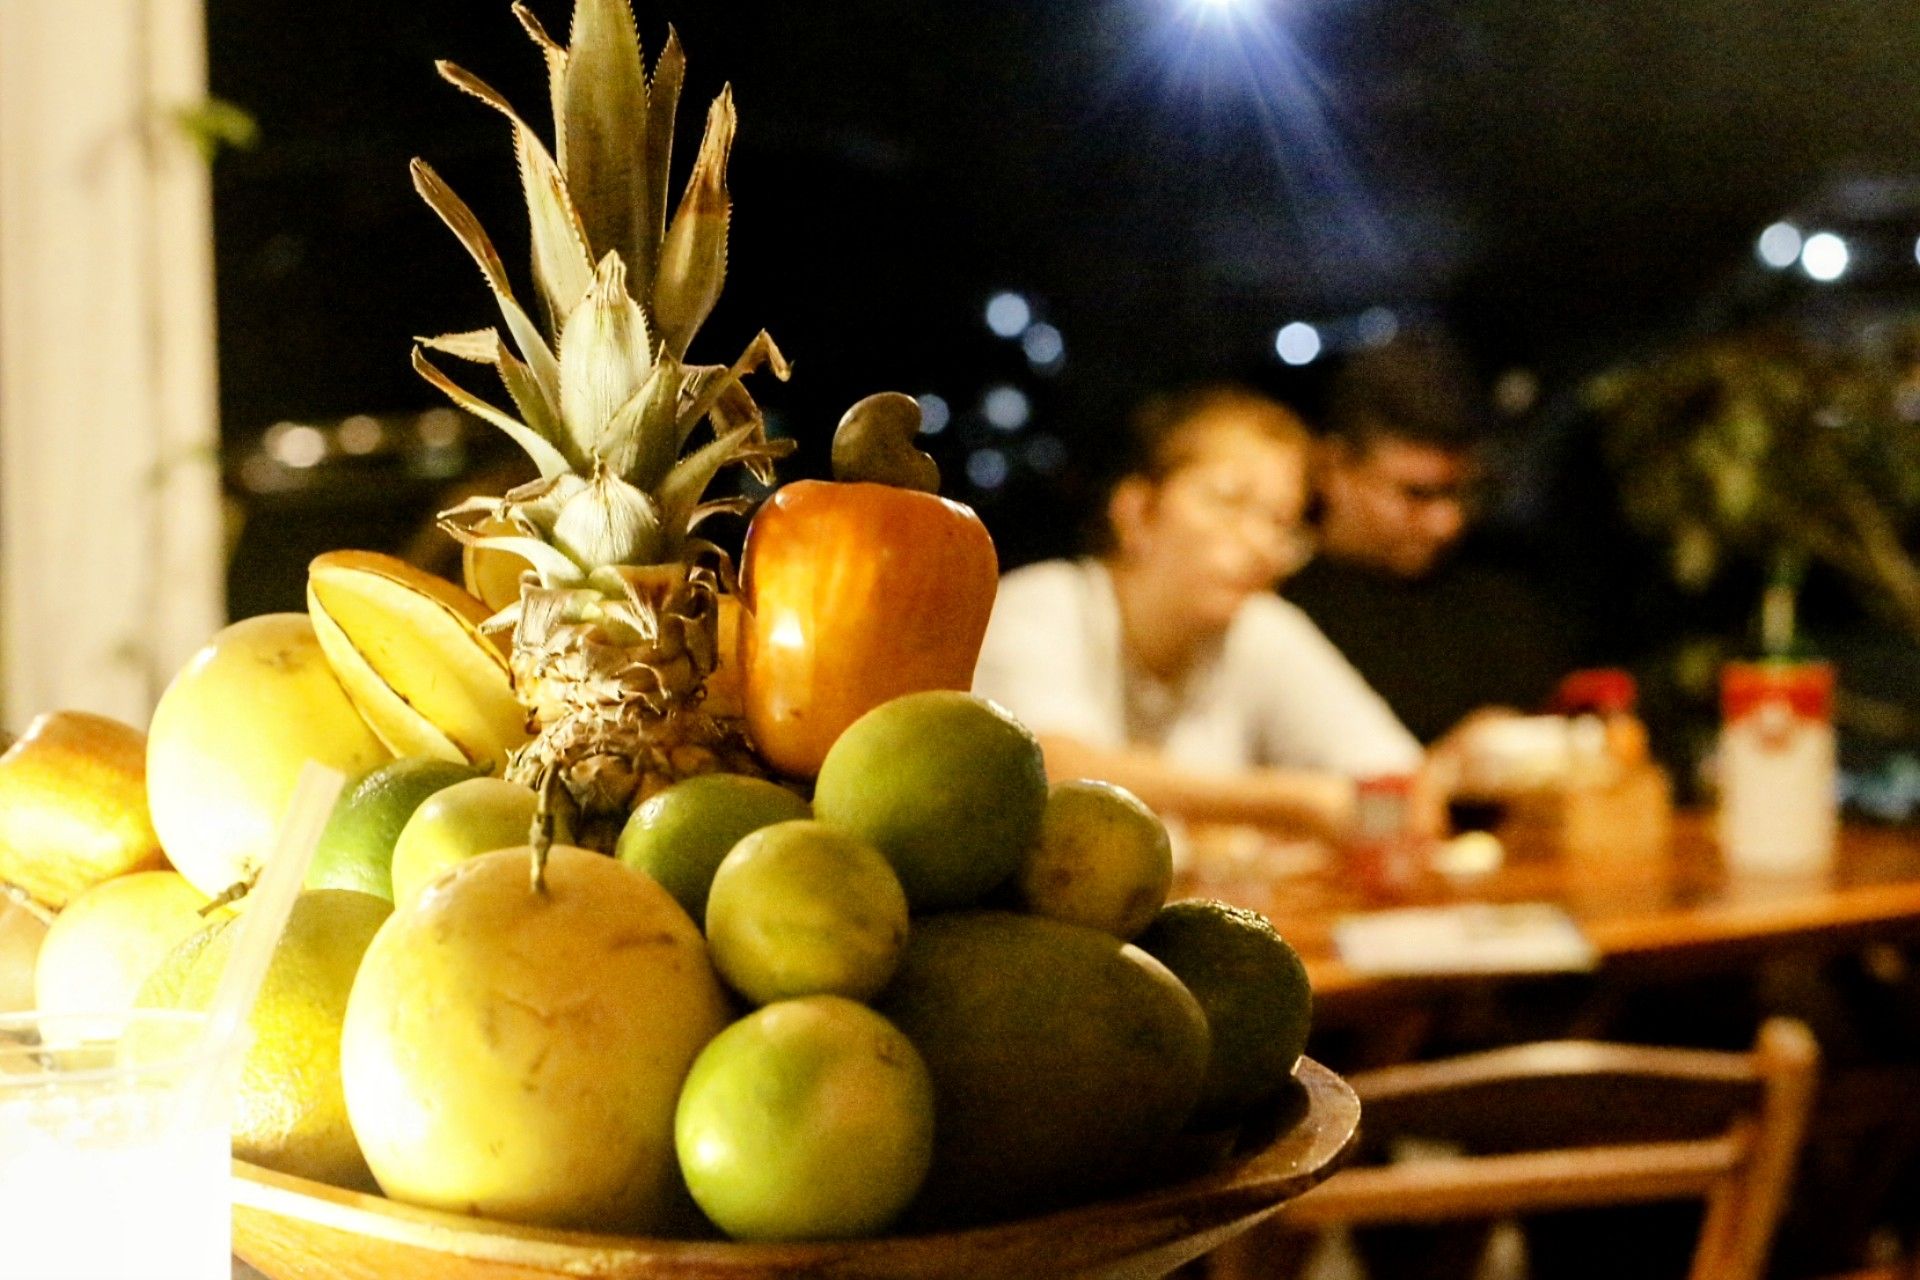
1596 691
1608 694
1779 803
1383 853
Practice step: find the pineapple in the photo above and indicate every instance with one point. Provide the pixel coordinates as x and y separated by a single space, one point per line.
615 631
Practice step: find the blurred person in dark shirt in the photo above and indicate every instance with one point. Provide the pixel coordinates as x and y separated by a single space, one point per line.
1400 471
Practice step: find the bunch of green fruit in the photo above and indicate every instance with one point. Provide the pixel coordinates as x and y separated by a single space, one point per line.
913 1002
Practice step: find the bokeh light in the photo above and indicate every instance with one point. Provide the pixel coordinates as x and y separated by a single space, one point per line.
1297 343
987 468
1045 348
1009 314
935 413
1006 407
1825 257
1779 245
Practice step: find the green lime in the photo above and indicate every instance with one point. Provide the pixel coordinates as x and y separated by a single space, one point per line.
801 909
1103 860
1253 988
356 847
679 835
456 823
811 1119
948 786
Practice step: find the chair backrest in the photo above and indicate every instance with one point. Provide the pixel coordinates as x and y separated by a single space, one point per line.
1565 1124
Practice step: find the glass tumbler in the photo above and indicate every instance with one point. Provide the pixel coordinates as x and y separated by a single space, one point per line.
114 1148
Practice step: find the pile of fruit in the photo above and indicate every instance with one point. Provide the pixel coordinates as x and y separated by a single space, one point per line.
914 995
658 897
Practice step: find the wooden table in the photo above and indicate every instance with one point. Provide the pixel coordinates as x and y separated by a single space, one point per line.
1681 910
1656 922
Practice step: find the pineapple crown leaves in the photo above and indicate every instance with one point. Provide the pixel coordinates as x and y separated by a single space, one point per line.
603 390
568 526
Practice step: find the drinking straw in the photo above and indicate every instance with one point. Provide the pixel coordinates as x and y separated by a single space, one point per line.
268 905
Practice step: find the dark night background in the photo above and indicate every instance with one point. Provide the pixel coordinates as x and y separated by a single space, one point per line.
1564 184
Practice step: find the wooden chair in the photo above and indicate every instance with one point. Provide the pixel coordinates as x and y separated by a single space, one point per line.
1568 1124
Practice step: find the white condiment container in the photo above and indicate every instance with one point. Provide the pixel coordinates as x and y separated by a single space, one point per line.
1778 789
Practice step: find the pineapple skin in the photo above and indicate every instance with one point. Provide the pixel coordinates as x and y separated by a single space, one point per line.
619 721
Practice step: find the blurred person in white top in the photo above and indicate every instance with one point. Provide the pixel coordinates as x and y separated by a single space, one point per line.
1165 663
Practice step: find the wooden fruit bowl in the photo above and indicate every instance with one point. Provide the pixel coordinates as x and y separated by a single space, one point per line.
292 1229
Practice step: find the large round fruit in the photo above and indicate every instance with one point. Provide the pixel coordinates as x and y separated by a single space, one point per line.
517 1052
101 949
1253 987
679 834
948 786
1063 1059
73 806
462 821
809 1120
1103 860
229 738
288 1113
801 909
356 848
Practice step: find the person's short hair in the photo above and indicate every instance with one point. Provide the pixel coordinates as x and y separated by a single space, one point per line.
1164 432
1418 388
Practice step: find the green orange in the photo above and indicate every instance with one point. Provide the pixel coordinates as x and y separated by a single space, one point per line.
948 786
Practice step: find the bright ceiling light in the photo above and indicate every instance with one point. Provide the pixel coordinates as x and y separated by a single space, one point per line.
1221 13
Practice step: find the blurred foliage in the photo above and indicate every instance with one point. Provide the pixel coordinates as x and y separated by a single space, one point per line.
214 123
1769 446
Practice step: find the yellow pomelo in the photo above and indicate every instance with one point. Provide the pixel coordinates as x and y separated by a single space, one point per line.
460 822
289 1113
108 941
229 738
21 935
407 647
518 1052
1103 860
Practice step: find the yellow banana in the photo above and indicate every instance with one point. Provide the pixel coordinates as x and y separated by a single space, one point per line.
407 648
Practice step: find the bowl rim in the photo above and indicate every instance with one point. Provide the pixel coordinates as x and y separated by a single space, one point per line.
1242 1188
